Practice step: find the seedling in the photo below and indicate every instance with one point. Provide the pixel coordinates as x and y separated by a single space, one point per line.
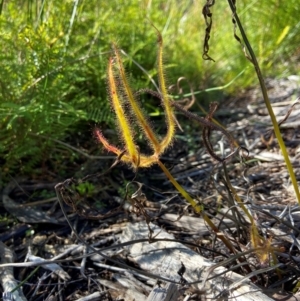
84 189
122 97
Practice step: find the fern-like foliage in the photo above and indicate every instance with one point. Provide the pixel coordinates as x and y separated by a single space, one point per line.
47 85
52 68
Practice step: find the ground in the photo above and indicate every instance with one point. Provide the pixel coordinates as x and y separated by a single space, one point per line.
100 210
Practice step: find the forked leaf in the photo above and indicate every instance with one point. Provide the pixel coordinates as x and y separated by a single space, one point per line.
134 105
126 131
170 119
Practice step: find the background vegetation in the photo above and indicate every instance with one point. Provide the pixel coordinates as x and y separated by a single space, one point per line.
54 54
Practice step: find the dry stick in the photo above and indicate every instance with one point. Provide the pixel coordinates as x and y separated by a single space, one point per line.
230 260
236 197
53 260
197 208
208 125
208 21
124 244
207 132
58 189
282 121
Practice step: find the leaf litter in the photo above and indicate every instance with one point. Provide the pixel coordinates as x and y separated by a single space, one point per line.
261 181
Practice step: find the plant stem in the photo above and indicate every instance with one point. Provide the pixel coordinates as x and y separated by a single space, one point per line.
236 196
267 101
196 207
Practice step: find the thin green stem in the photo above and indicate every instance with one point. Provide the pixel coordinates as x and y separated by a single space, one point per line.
236 196
196 207
267 101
